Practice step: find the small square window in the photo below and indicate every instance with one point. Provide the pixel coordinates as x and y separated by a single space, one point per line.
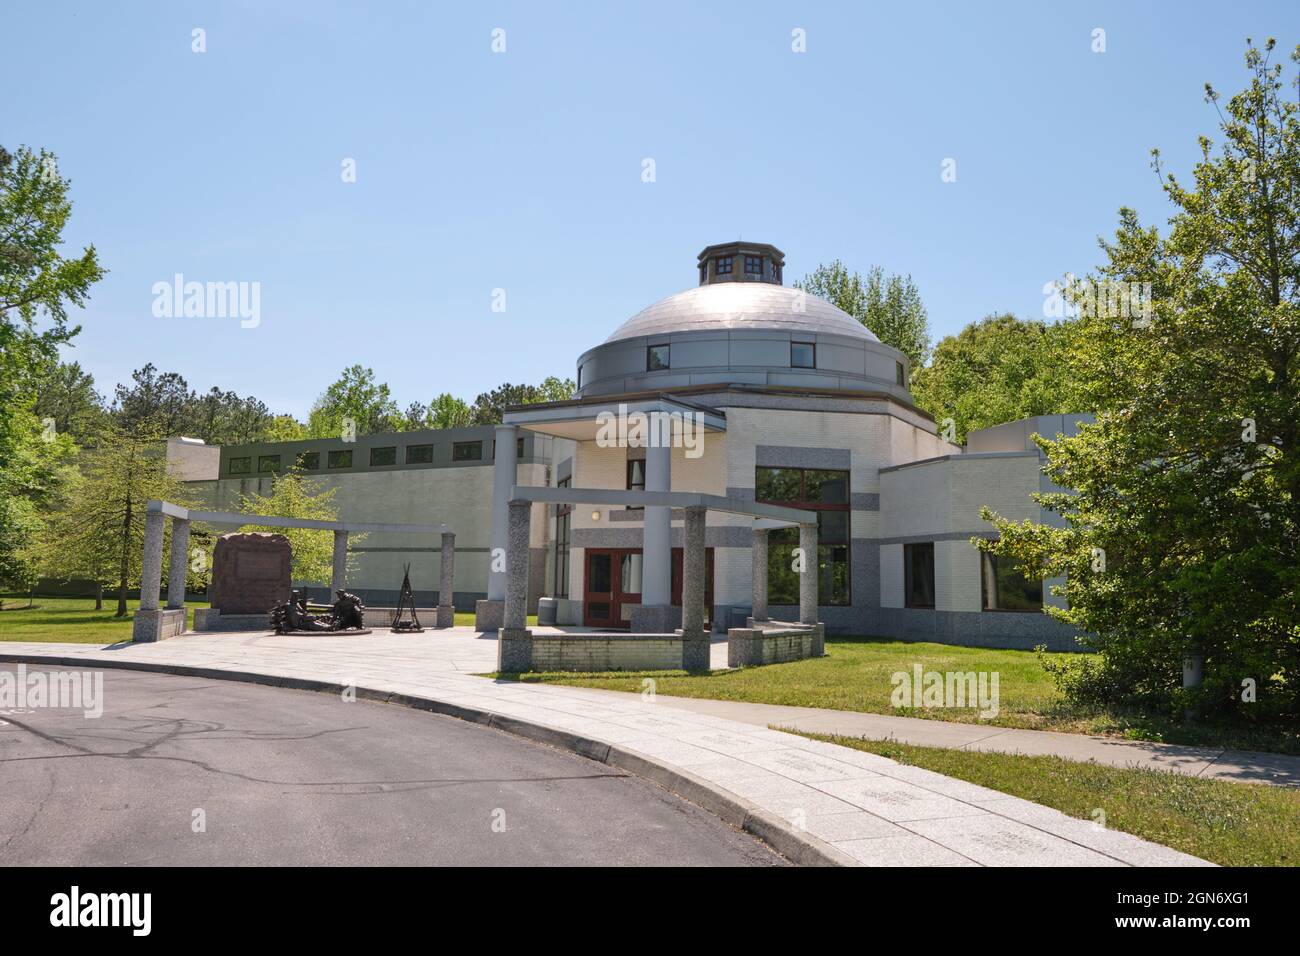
309 460
239 466
803 355
754 266
658 357
467 451
722 266
339 459
268 463
383 456
419 454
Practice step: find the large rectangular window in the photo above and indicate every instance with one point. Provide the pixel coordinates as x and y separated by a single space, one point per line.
467 451
918 575
239 466
383 456
563 515
268 464
812 489
419 454
1006 587
309 460
339 459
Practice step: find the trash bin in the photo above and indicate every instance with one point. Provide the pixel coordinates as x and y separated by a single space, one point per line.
546 610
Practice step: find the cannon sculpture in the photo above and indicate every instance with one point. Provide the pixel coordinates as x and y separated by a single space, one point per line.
292 616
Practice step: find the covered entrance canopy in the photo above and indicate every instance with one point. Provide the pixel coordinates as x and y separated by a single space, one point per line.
514 648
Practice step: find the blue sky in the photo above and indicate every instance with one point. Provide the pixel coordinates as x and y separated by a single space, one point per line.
522 170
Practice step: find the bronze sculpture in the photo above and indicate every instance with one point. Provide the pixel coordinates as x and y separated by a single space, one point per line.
292 616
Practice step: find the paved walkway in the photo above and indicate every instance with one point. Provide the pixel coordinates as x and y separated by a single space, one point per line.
814 802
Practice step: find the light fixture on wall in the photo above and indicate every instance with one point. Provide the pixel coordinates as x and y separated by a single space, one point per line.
595 516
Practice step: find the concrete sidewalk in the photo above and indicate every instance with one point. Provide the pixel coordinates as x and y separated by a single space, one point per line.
1240 766
813 802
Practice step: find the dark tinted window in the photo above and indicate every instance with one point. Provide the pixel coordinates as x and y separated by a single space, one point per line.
240 466
918 575
339 459
419 454
803 355
266 463
657 357
309 460
1006 588
384 456
467 451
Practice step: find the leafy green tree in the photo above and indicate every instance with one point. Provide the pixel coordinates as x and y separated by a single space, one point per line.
295 496
415 417
1181 537
66 396
284 428
448 411
996 370
356 396
98 533
157 403
888 305
489 407
224 418
37 285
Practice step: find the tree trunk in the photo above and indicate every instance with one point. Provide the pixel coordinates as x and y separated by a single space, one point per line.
125 563
99 596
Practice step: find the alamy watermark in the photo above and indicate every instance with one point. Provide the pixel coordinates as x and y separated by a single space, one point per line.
208 300
920 688
1108 299
651 430
67 690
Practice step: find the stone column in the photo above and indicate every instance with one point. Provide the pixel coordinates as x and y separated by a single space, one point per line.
514 640
151 570
504 469
179 562
488 613
655 614
758 550
808 579
695 640
446 596
339 572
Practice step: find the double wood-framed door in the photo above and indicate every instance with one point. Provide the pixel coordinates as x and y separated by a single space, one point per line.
612 584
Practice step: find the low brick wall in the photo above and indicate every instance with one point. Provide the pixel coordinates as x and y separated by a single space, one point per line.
607 652
210 619
157 625
751 647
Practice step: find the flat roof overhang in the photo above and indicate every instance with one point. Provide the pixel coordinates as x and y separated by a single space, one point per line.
765 516
583 419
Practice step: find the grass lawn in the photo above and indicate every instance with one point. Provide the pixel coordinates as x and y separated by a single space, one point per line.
466 619
70 620
1233 824
855 676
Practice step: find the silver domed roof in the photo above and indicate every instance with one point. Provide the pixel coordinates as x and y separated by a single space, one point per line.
725 306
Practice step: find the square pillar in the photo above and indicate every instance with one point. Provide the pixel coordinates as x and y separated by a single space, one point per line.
758 550
515 641
655 615
339 571
808 579
504 469
446 607
151 565
179 563
151 622
695 639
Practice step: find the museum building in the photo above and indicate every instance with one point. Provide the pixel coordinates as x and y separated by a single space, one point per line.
766 394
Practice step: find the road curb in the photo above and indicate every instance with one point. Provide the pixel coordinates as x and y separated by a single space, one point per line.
794 844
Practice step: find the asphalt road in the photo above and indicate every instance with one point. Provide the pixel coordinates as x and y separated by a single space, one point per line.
186 771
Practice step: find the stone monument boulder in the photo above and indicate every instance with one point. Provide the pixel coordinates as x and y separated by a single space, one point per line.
250 573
